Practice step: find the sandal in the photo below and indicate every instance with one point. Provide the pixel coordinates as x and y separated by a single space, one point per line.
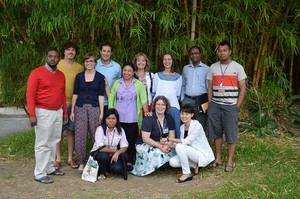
57 172
214 164
101 177
229 168
57 165
44 180
73 164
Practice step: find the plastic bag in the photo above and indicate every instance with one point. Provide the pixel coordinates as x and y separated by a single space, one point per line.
90 171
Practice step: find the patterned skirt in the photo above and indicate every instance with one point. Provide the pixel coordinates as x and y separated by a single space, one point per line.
149 159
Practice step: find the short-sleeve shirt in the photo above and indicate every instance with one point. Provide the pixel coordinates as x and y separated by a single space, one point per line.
126 102
70 74
111 139
152 125
112 72
225 80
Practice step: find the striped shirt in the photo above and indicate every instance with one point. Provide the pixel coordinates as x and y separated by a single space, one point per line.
225 80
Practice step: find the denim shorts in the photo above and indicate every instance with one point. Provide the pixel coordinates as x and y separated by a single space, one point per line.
70 124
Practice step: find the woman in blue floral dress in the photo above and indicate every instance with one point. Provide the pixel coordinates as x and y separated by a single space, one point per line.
152 153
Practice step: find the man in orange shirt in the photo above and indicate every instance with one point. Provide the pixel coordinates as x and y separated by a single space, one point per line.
46 101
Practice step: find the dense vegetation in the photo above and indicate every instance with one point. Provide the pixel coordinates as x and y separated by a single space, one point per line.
264 36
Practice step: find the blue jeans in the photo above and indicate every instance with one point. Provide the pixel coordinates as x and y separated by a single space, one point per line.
176 116
103 160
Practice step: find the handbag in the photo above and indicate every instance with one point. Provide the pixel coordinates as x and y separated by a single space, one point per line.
90 171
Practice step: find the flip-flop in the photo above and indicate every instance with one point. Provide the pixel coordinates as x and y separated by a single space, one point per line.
44 180
57 172
229 168
57 165
214 164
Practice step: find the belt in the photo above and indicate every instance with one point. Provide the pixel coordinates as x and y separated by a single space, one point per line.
190 97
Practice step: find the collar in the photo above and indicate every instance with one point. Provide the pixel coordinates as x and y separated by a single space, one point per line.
113 131
50 69
200 65
101 64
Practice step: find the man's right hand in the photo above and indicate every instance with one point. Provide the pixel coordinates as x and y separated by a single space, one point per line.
33 121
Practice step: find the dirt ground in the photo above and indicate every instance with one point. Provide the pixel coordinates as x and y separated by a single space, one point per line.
16 181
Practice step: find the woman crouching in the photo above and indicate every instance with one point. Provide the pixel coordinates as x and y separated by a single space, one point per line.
193 149
110 142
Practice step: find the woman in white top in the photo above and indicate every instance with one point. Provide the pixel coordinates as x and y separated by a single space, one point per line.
193 149
168 83
143 72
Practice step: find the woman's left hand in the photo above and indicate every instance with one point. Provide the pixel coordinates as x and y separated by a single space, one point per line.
114 158
148 114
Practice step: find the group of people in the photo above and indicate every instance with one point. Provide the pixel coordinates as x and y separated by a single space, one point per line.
130 110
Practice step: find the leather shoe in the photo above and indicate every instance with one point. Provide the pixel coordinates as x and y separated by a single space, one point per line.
190 177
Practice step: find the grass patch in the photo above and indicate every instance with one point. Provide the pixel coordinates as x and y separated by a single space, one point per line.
266 167
17 146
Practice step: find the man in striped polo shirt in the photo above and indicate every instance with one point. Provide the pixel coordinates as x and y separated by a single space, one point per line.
226 92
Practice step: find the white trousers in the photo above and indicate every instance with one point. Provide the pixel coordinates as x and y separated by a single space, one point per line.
47 135
186 157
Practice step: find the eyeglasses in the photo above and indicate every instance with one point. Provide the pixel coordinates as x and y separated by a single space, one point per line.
160 105
89 61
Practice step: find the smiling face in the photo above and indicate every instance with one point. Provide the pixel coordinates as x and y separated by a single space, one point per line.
167 61
141 62
105 53
90 63
160 107
186 117
52 58
128 72
70 53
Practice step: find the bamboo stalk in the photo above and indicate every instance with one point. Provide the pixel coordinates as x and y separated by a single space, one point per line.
291 76
200 18
255 71
263 67
193 20
3 4
187 21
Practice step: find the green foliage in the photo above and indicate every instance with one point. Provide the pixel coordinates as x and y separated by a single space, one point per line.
30 27
266 108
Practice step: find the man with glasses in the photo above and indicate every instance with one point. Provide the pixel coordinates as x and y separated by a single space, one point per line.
195 84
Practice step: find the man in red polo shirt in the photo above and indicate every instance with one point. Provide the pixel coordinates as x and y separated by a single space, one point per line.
46 101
